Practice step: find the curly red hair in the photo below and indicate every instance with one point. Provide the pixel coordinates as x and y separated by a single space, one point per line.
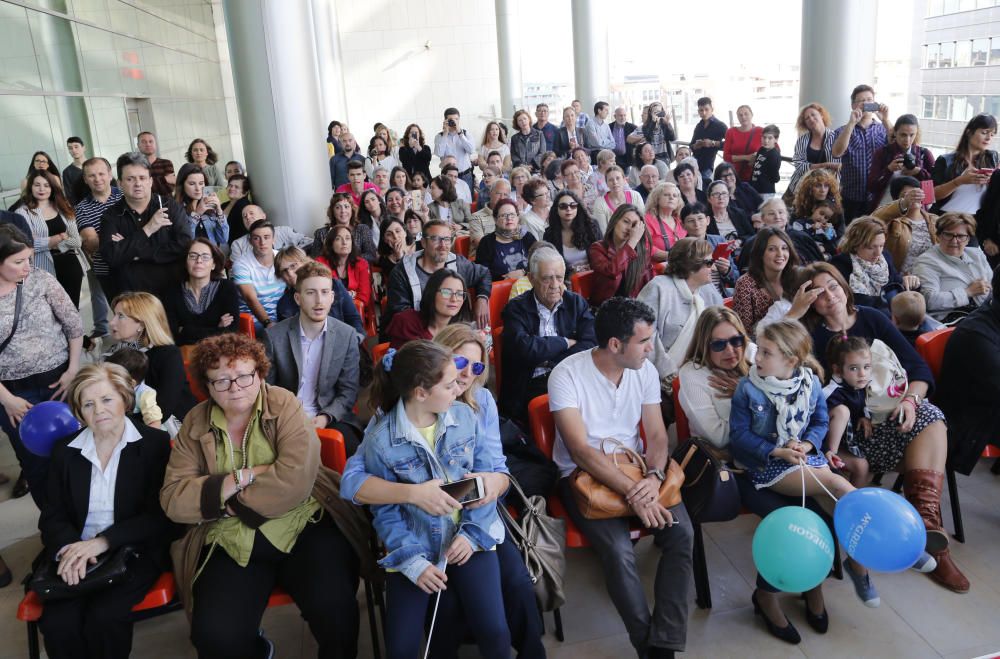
211 352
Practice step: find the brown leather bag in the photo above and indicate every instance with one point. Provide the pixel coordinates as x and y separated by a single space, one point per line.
595 500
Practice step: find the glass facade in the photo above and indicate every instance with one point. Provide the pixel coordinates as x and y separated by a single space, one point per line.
103 70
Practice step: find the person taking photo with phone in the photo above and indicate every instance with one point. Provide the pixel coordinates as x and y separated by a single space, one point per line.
855 143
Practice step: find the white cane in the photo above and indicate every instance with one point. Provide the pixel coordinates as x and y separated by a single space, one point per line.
430 632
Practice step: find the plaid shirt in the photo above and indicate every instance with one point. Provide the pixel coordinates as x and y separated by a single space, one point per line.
857 160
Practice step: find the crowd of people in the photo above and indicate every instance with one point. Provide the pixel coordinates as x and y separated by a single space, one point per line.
772 307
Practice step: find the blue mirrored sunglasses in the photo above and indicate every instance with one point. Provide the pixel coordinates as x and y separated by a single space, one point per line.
477 367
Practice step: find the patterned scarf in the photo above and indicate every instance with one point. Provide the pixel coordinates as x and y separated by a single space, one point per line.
790 399
869 278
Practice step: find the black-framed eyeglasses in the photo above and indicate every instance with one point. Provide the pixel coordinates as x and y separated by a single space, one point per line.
960 237
736 341
200 258
461 362
707 263
437 240
448 293
571 206
225 384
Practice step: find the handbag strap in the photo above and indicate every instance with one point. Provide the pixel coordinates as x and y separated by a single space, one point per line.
619 447
17 315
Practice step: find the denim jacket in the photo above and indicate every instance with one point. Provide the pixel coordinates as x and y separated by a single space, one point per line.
394 451
215 226
753 430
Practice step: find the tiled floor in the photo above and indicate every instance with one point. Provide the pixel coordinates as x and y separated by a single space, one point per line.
917 618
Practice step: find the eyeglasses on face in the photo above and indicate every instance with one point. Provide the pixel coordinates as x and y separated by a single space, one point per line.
569 206
719 195
225 384
461 362
448 293
199 258
736 341
438 240
507 216
959 237
707 263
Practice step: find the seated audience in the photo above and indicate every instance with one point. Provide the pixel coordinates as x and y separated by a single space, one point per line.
582 389
954 276
284 236
445 204
136 364
616 196
643 156
909 315
287 262
263 517
696 222
324 371
201 155
770 279
342 212
686 177
774 214
205 303
726 218
819 210
663 219
621 260
409 278
445 301
204 210
505 251
742 196
677 298
394 244
254 274
340 254
534 219
868 267
542 327
121 465
356 183
482 221
909 232
571 230
371 212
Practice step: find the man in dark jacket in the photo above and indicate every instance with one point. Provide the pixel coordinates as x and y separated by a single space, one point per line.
407 281
143 236
969 384
18 221
541 328
620 130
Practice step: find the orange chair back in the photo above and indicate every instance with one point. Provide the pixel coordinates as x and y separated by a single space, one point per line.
461 246
660 268
499 294
246 325
497 355
931 347
728 302
543 424
582 283
367 317
680 419
378 352
199 393
332 451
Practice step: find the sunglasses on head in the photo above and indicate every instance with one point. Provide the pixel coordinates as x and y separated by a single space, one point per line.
736 341
461 362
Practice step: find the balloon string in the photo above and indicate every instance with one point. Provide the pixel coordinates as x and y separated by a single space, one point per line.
815 478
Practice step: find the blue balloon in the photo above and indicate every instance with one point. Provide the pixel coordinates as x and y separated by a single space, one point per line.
793 549
879 529
45 424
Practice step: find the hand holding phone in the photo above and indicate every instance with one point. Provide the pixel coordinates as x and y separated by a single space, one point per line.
869 107
466 491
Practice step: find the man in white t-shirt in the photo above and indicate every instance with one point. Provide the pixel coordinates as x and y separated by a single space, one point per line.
255 276
607 392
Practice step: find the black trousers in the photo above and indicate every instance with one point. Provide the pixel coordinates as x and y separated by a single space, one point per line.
97 626
69 273
320 573
853 209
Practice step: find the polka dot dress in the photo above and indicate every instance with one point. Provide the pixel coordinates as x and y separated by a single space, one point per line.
885 448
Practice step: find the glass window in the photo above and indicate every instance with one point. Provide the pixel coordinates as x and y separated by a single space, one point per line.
18 65
963 53
942 105
933 53
26 120
961 108
935 7
927 107
947 58
994 50
991 105
55 50
980 51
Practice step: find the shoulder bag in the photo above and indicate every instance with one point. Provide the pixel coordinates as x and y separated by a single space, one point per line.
111 568
17 315
710 492
541 539
596 500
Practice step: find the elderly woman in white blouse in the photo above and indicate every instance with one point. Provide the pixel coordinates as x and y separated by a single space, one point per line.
955 277
677 298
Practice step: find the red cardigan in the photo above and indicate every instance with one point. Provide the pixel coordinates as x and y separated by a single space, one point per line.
406 326
609 265
359 279
738 143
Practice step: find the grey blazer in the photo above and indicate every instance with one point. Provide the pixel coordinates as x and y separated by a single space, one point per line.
339 371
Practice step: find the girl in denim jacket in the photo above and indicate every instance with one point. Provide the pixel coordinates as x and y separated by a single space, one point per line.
425 434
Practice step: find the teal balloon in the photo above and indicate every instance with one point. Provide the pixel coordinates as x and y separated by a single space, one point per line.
879 529
793 549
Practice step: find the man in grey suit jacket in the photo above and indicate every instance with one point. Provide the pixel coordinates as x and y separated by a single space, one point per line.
317 357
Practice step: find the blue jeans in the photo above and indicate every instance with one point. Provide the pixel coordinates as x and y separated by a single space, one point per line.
98 304
477 587
34 467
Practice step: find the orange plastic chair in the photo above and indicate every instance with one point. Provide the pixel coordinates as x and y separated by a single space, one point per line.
378 352
367 317
246 325
199 393
461 246
931 347
660 268
333 451
499 294
496 356
582 283
680 419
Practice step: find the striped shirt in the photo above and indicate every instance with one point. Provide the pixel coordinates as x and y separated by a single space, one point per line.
857 160
269 288
88 216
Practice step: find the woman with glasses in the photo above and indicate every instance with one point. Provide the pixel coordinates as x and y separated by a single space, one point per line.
571 231
445 301
742 196
205 303
505 251
139 321
536 193
677 298
726 219
954 276
260 511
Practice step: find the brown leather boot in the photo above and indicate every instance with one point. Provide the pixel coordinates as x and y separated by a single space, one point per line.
922 488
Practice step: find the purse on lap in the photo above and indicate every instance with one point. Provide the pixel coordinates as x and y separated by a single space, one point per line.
111 568
595 500
710 491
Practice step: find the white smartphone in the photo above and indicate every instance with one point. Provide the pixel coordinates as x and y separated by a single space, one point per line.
466 491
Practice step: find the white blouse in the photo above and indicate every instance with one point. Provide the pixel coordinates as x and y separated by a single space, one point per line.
101 507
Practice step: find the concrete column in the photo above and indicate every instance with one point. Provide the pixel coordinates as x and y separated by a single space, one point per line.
274 58
329 62
590 54
509 58
831 66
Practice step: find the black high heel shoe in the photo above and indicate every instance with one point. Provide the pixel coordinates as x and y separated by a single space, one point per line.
20 487
788 633
819 622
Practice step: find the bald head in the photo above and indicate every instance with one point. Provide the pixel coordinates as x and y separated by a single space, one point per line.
251 214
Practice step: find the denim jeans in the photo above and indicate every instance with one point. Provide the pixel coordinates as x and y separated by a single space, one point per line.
98 304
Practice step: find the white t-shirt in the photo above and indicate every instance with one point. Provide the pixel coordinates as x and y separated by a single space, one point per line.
606 410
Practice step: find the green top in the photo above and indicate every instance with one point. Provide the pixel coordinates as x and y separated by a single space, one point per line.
230 533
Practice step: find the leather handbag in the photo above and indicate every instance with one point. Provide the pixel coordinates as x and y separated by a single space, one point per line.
541 539
111 568
595 500
710 491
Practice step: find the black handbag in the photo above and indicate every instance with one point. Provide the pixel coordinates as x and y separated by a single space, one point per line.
710 492
110 569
